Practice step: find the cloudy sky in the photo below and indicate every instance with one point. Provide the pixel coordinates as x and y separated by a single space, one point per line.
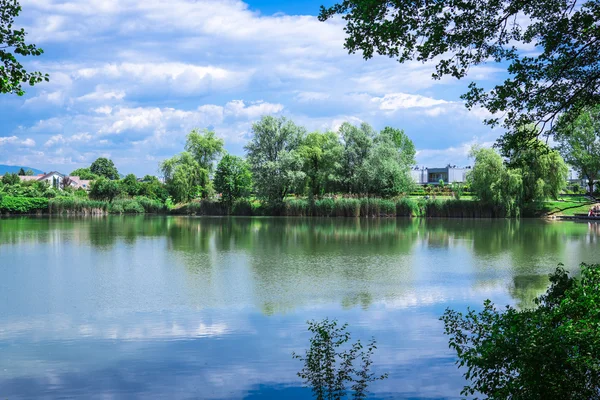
130 78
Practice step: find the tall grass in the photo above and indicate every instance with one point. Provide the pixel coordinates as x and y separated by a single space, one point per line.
77 205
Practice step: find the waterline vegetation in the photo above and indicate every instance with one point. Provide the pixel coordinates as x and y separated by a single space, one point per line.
352 172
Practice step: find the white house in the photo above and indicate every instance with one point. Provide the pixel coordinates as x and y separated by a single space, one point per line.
58 180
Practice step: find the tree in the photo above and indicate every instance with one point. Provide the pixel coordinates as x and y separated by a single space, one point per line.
579 144
548 352
66 183
561 77
357 142
84 173
273 157
386 171
233 179
11 179
21 172
543 171
12 43
184 178
104 189
493 183
152 188
204 147
130 185
328 368
104 167
321 154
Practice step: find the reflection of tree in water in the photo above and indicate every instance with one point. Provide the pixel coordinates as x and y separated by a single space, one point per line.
525 288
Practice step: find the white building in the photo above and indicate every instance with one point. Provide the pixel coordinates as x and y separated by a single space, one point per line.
432 176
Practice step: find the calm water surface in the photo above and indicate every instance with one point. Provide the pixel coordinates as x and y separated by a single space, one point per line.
212 308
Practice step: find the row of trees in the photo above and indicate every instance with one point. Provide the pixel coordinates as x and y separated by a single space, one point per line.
282 158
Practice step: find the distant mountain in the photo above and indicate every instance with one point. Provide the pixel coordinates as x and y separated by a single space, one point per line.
15 169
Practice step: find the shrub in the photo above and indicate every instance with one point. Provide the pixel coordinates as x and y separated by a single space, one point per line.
549 351
23 205
151 206
329 368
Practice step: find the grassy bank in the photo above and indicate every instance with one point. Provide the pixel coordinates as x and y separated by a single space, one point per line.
292 207
346 207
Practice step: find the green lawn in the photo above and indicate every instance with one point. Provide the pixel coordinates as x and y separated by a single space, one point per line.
568 206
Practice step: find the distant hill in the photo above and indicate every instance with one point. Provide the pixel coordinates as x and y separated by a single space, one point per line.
15 169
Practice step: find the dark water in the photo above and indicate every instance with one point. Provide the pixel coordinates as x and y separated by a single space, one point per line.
151 307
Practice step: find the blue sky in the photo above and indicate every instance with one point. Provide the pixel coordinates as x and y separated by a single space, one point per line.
130 79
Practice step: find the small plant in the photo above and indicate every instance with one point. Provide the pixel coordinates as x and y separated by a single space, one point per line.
328 368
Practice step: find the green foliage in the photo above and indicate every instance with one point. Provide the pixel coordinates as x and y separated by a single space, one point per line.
546 352
104 189
22 205
324 207
152 188
12 43
11 179
242 207
130 185
274 159
543 171
357 142
561 77
103 167
493 183
23 172
330 363
407 207
84 173
126 206
298 208
184 178
150 205
386 170
346 208
579 143
320 154
204 147
76 205
458 189
233 179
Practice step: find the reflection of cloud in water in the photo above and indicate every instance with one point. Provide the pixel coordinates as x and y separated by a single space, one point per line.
123 327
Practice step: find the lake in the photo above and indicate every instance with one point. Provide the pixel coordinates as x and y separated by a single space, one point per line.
212 308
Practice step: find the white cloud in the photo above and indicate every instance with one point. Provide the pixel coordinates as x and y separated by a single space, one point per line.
396 101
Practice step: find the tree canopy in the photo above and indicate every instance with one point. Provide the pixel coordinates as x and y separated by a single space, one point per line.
233 178
12 44
551 351
205 147
579 144
84 173
104 167
561 77
273 157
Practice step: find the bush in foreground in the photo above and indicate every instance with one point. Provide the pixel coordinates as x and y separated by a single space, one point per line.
550 352
330 363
